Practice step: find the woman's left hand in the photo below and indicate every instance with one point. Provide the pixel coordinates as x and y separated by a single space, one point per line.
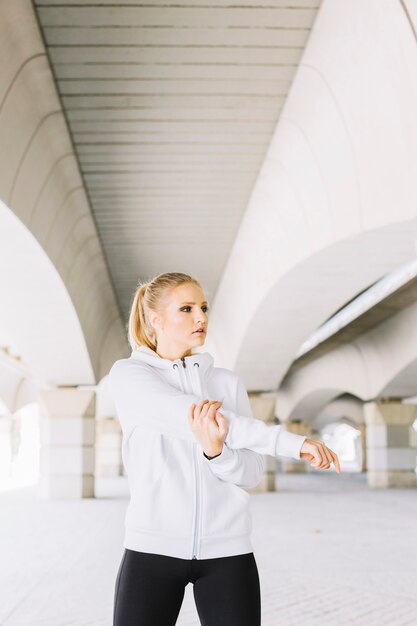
210 428
317 451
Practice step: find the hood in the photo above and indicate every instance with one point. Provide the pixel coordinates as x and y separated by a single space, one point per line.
147 355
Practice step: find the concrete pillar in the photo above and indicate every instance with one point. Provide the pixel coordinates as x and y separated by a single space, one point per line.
67 438
361 447
263 408
289 466
391 444
108 447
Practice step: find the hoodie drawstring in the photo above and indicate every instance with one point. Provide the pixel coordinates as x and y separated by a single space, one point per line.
196 376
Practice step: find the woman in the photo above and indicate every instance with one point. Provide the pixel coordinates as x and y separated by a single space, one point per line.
190 446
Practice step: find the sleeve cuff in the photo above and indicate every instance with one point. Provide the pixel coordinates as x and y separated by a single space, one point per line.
289 444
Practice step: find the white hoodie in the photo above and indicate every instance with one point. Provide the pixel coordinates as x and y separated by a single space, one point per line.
182 503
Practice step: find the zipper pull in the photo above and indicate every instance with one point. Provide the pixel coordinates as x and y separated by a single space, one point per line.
183 361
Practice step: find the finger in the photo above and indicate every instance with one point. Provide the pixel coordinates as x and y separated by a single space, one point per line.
223 425
327 458
199 408
318 458
211 411
207 407
308 456
191 414
335 461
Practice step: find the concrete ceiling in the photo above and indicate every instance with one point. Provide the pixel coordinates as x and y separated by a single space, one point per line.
171 108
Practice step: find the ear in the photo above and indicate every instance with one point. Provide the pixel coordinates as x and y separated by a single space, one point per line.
154 320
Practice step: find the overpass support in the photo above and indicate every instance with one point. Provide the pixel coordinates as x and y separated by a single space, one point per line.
361 446
263 408
391 444
67 437
109 460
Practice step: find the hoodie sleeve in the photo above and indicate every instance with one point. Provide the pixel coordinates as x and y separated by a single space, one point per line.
143 398
255 434
243 467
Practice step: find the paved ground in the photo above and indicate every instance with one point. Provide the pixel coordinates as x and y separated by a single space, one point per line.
329 551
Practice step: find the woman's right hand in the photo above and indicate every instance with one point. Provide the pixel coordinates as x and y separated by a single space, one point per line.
210 427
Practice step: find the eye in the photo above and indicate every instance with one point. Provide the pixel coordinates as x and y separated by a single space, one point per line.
204 307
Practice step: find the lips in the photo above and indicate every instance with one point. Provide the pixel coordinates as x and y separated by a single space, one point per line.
201 332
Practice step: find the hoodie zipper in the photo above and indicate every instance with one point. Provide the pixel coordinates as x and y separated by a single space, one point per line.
197 482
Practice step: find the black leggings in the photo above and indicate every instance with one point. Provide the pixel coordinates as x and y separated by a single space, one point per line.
150 588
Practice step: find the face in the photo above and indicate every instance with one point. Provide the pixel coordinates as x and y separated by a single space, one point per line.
185 311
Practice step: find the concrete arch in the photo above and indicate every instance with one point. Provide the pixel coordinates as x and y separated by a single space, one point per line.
39 315
305 394
345 409
381 362
40 182
391 353
333 209
403 382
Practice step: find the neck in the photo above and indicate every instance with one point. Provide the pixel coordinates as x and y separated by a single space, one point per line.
172 354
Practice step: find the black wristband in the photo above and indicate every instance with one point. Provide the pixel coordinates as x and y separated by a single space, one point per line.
211 457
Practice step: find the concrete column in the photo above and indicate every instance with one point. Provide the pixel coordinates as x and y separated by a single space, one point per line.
67 438
263 408
108 447
361 447
391 444
299 427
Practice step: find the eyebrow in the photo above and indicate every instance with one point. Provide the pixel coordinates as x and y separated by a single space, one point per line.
205 302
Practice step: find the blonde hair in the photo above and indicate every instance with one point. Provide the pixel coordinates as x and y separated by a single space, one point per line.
150 296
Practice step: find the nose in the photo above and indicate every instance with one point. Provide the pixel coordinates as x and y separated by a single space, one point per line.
201 318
